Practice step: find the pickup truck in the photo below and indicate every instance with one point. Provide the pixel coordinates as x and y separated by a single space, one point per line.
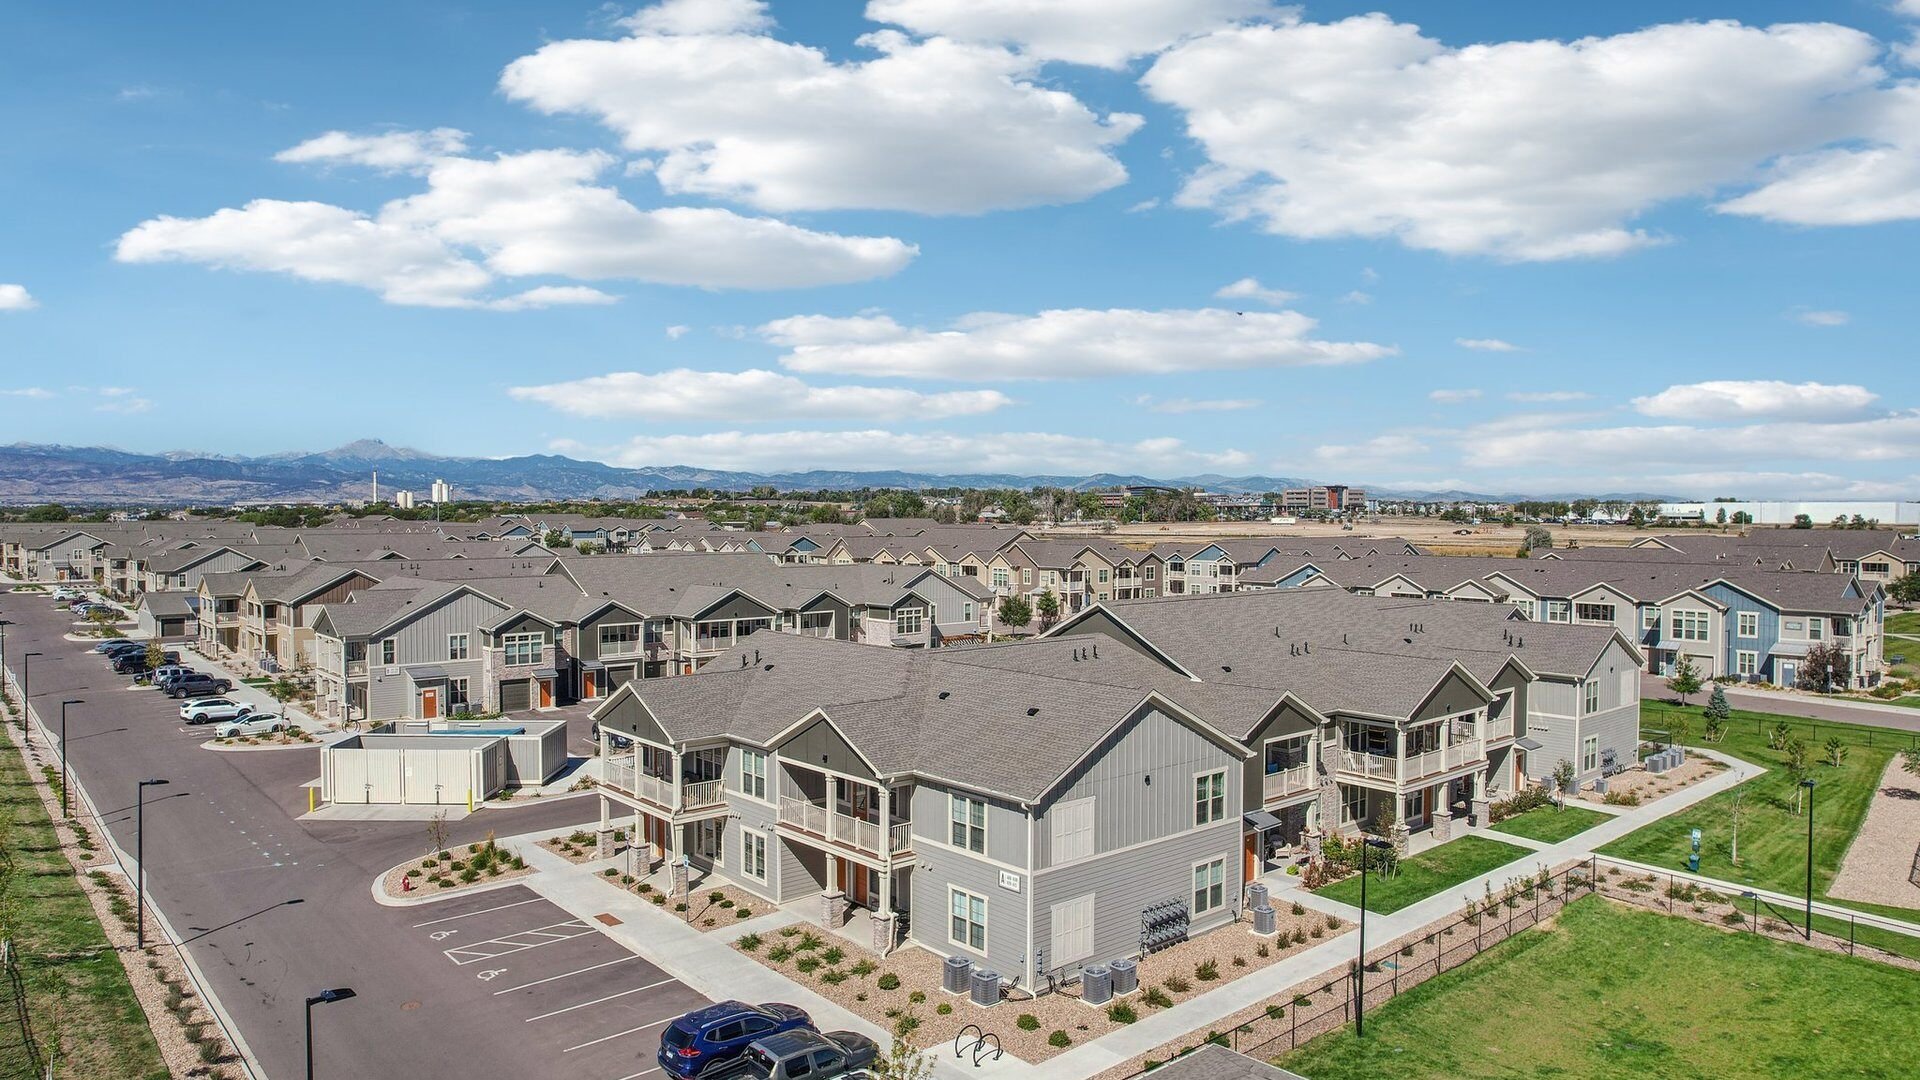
790 1055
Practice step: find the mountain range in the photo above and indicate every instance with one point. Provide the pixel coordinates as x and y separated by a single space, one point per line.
34 473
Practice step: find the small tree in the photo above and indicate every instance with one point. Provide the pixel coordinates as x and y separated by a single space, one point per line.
1563 780
1538 538
1910 761
1047 606
1718 713
554 539
1825 668
1798 770
1836 751
1905 589
1685 680
156 653
1778 736
1736 803
903 1062
1015 611
437 833
1682 727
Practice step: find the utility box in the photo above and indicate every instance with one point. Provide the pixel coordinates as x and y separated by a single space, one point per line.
986 988
1096 984
1126 976
955 974
1265 922
1256 895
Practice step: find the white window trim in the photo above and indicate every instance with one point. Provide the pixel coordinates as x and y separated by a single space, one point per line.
954 797
985 913
639 641
466 647
1590 753
1741 623
765 776
1746 658
748 837
1197 911
1195 789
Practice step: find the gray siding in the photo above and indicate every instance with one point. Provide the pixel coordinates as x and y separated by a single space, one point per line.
1006 823
942 869
587 646
1286 721
423 639
1142 778
738 607
630 716
819 745
1454 695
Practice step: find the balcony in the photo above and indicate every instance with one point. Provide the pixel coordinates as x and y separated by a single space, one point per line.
357 669
843 829
1386 767
1369 766
1289 781
1438 761
1500 729
622 774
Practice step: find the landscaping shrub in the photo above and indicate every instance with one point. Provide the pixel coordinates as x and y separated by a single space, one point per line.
806 964
833 976
780 953
1176 984
864 968
833 954
1027 1022
888 981
749 942
610 871
1059 1038
1239 961
1275 1012
1207 971
809 941
1157 997
1121 1013
943 1009
1297 909
917 997
1261 950
680 906
742 913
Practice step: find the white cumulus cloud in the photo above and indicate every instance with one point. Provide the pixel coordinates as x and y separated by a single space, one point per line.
516 215
1379 452
1250 289
1180 406
1064 344
1528 150
1742 399
16 298
394 151
742 396
1104 33
1486 344
933 126
1548 397
37 393
925 451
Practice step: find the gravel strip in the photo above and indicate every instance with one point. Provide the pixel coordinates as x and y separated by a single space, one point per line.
1881 857
1638 781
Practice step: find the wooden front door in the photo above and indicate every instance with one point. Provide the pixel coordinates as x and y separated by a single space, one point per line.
430 703
1250 857
546 693
586 684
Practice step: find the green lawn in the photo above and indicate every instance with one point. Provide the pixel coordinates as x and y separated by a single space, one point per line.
1773 840
1609 991
1431 871
1546 824
1907 622
84 997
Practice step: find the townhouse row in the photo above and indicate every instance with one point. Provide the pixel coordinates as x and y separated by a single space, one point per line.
1020 805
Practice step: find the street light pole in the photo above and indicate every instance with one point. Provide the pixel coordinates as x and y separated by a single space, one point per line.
140 860
63 751
321 998
1808 784
1360 973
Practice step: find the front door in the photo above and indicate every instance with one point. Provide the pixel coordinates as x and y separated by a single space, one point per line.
586 685
1417 808
1250 857
430 703
546 693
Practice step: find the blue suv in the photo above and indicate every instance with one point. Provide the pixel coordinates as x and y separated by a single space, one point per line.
705 1039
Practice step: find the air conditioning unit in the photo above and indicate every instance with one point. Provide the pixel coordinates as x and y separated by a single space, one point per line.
985 987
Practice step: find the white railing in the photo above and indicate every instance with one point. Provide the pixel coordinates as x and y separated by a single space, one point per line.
701 793
1373 766
853 831
1439 761
902 836
809 816
843 829
621 773
617 773
1499 729
1291 781
356 668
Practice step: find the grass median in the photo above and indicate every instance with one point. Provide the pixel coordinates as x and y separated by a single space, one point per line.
76 992
1550 825
1609 991
1435 870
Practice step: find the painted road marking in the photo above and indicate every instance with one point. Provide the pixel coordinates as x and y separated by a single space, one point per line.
597 1001
555 978
482 911
520 942
617 1034
638 1075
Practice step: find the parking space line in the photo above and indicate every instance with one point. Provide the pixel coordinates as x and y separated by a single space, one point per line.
513 943
638 1075
597 1001
553 978
482 911
617 1034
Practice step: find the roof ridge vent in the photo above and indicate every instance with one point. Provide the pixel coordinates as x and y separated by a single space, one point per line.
1033 710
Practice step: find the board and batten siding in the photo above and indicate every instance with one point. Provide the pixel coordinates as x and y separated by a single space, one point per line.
422 639
587 637
932 817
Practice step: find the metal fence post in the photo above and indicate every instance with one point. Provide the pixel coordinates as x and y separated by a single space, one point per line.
1850 934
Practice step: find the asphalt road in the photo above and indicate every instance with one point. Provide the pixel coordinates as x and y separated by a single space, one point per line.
274 909
1893 718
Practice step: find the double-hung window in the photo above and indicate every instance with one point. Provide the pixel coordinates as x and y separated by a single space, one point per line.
1746 662
753 854
1556 611
908 621
968 818
999 577
456 646
1209 886
457 699
1590 753
520 650
388 650
1749 624
1688 625
1591 701
753 773
1210 797
968 925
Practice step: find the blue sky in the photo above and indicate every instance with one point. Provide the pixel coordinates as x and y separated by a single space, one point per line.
1511 247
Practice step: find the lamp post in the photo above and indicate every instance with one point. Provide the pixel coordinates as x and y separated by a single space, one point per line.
140 859
1808 784
63 751
4 623
1360 972
322 998
26 695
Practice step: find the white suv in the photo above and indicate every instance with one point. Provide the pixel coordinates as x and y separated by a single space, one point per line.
202 710
251 725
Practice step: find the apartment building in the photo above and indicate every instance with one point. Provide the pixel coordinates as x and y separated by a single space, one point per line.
1329 498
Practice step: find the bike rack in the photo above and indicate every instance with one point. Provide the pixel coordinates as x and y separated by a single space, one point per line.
979 1045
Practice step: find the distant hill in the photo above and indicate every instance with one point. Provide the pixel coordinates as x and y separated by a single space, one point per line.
32 473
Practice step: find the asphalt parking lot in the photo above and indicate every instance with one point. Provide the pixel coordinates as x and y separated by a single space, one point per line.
558 983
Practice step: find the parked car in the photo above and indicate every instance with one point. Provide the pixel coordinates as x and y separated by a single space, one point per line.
207 709
132 648
85 610
195 685
167 672
113 643
134 661
802 1053
65 595
614 738
706 1040
251 724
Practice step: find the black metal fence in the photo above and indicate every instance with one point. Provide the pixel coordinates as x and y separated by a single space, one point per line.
1396 966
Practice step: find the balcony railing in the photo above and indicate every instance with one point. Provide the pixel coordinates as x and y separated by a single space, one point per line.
702 793
1371 766
1289 781
356 668
1500 729
841 828
1439 761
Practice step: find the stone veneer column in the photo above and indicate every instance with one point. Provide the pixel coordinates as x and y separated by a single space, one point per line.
1327 796
833 908
883 931
1443 825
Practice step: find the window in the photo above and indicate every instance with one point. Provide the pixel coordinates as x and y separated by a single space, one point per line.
1072 831
753 854
1102 576
1600 613
968 926
1556 611
1688 626
1524 607
1590 753
969 820
1176 566
387 651
1746 663
1209 886
620 639
1816 628
457 698
1749 624
1877 568
521 649
1026 575
1072 932
1353 804
1590 703
908 621
1650 618
1147 571
753 773
1210 797
456 646
999 578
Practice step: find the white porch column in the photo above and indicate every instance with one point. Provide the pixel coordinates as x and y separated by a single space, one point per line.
603 845
883 911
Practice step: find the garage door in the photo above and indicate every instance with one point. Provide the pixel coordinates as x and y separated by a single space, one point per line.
515 696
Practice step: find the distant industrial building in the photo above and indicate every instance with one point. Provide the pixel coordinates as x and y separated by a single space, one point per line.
1886 512
1330 498
403 500
442 492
